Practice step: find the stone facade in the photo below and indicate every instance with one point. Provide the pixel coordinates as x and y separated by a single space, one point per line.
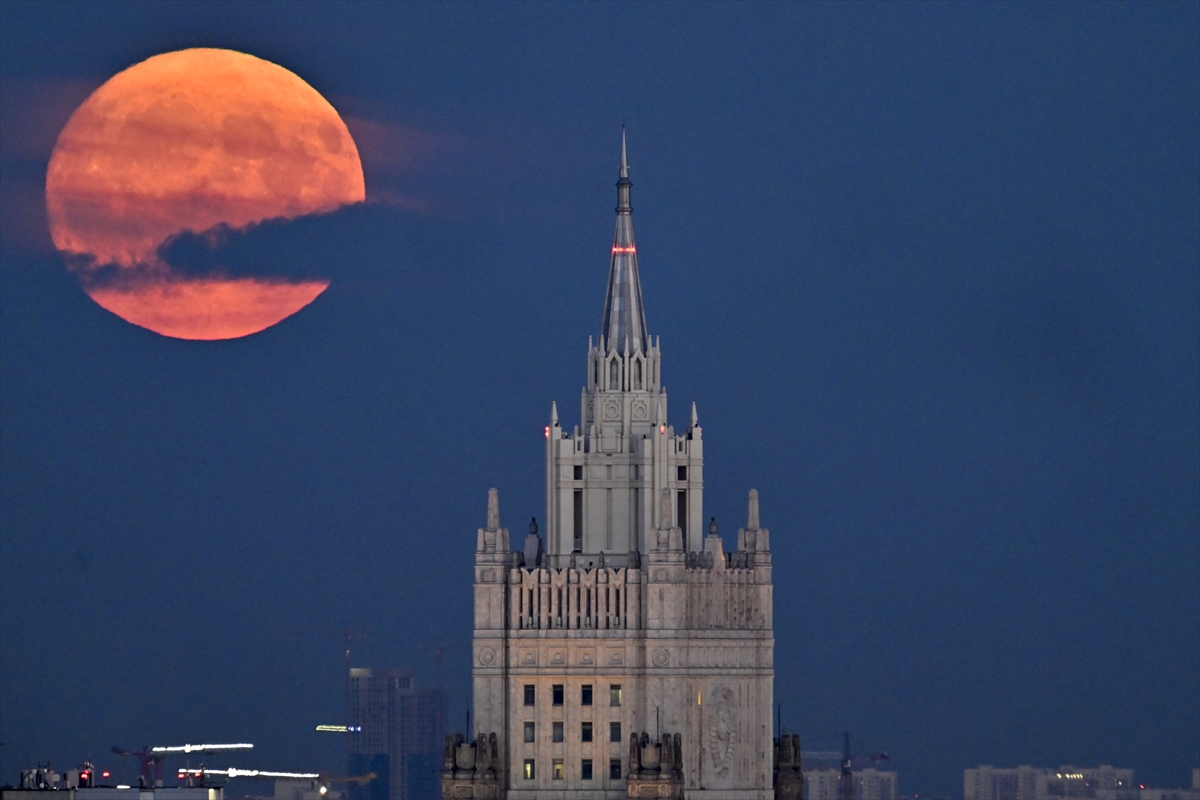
625 654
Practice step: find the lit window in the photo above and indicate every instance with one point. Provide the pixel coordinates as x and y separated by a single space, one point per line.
556 694
614 769
585 770
529 731
529 769
614 731
558 769
614 694
556 732
585 696
529 694
585 733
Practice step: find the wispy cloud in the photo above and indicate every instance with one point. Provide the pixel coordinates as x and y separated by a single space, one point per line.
32 112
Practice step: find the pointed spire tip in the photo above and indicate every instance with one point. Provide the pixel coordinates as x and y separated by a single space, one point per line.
624 160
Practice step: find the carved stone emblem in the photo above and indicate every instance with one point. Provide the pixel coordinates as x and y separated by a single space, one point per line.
722 728
487 656
612 410
640 409
661 657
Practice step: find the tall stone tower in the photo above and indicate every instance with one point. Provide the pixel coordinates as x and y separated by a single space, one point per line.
625 653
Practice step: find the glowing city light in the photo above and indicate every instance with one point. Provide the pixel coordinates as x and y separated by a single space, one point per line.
200 748
258 773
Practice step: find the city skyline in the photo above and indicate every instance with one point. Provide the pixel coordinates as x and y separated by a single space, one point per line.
930 273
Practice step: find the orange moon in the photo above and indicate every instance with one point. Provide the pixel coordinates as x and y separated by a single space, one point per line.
186 141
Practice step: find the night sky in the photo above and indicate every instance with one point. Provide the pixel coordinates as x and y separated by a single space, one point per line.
930 272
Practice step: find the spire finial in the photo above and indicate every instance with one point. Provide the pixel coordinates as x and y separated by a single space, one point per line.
624 161
752 515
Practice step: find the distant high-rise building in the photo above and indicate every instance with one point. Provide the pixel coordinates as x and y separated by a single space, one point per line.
619 651
1035 783
399 736
869 784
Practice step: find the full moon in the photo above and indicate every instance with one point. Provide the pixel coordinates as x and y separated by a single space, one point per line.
187 141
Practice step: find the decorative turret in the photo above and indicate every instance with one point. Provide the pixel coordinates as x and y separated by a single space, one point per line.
752 538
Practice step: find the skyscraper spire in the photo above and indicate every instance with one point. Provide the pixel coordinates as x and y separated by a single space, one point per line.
624 315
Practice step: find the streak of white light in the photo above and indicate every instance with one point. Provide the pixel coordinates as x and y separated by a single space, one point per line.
258 773
199 748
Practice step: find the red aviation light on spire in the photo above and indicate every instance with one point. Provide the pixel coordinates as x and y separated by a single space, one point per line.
619 249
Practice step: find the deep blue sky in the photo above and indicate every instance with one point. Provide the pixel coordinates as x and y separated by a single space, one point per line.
930 272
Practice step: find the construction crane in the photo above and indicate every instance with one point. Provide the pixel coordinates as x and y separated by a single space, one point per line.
150 769
846 779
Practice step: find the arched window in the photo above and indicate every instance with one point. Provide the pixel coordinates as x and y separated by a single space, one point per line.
614 375
637 381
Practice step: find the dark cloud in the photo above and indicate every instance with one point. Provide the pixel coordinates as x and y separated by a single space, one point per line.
316 246
339 245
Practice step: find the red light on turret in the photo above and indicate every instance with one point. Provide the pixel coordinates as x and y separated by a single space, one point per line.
106 774
618 249
547 431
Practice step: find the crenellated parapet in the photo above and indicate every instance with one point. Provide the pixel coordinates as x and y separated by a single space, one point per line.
471 770
655 767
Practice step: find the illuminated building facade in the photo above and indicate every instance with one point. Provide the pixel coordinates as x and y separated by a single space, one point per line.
620 650
1034 783
399 736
